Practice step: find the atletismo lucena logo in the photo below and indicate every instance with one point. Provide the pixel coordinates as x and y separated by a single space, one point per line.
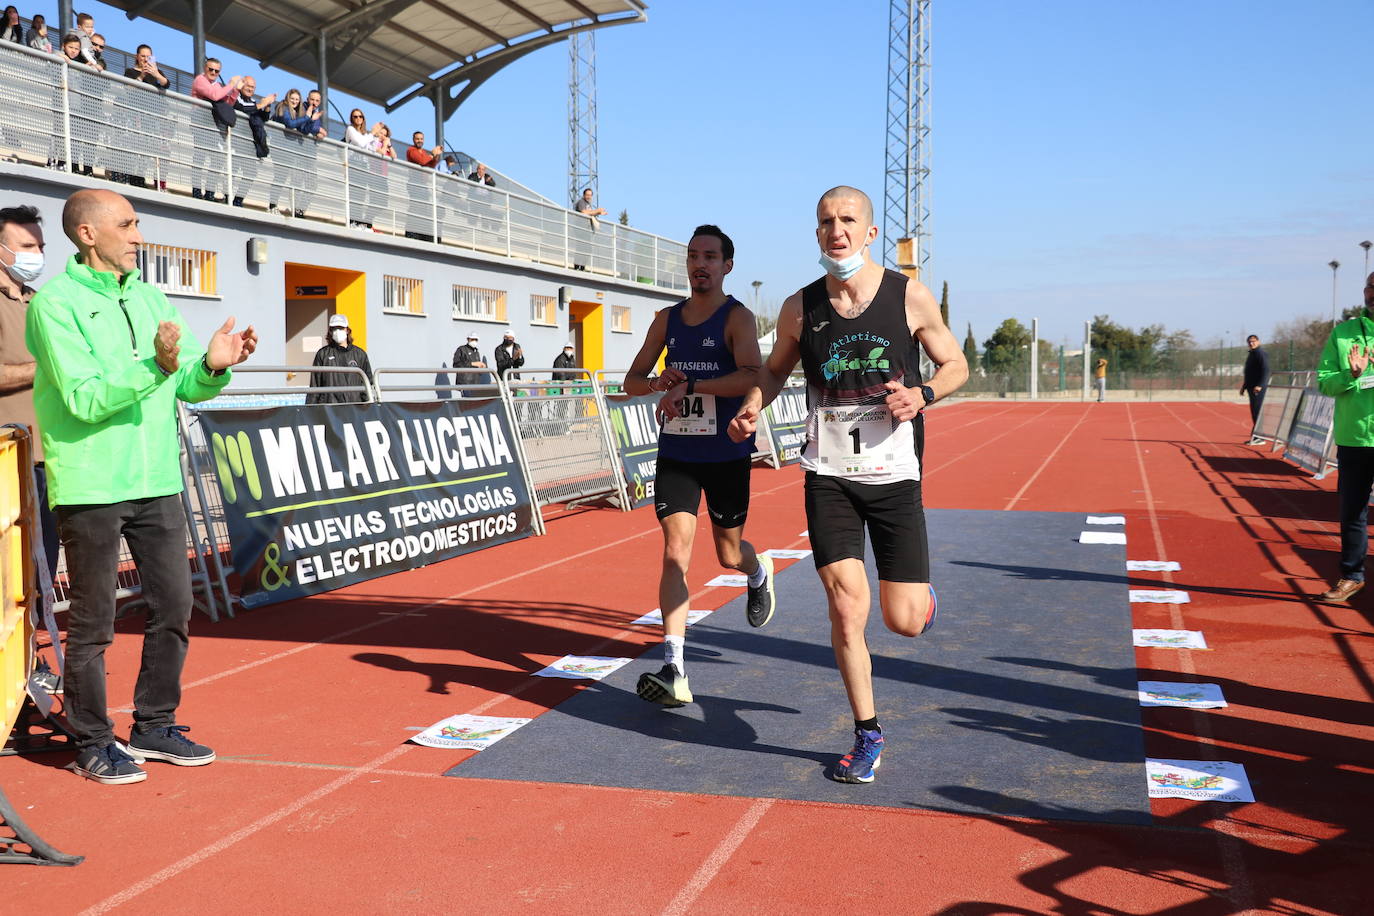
844 359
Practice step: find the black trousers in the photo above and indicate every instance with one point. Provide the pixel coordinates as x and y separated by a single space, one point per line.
1255 401
1355 478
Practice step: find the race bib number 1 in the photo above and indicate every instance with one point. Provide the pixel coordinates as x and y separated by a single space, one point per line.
698 417
855 440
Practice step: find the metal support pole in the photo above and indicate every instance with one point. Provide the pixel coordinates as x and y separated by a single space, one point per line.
64 20
322 63
438 115
198 34
67 114
434 200
1035 359
1061 367
1087 355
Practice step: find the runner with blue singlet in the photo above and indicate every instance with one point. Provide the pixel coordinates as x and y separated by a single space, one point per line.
712 359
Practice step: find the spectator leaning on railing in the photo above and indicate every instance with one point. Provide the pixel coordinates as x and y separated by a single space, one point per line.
144 69
13 30
257 111
221 97
417 154
38 35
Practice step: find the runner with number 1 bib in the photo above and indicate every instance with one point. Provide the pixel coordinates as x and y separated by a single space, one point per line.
854 331
713 359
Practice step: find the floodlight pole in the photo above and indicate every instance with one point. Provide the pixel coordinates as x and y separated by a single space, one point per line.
1335 266
1034 359
582 116
1087 355
1366 246
906 208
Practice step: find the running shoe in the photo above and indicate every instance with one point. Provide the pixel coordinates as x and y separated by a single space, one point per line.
665 686
762 600
858 765
109 765
170 744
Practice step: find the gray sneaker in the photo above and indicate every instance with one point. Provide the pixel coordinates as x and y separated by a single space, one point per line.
170 744
762 600
665 687
109 765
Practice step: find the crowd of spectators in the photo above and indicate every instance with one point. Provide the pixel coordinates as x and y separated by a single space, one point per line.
237 96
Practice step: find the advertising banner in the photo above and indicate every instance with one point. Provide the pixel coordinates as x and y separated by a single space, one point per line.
1311 434
636 442
787 424
321 497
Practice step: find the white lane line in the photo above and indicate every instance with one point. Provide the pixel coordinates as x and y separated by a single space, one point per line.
717 859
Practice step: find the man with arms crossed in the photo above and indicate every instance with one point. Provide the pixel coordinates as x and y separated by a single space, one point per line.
713 355
854 330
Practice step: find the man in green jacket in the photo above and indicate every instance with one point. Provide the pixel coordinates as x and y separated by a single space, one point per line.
113 357
1344 374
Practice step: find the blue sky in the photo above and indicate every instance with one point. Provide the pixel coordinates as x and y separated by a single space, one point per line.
1194 164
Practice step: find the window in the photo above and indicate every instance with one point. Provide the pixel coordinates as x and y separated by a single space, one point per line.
189 271
620 318
481 304
402 294
543 310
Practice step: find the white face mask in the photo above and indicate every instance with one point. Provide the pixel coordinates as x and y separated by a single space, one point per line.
568 353
27 264
844 268
339 336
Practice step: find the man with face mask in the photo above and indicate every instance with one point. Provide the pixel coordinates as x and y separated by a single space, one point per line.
565 360
21 257
855 330
509 355
339 352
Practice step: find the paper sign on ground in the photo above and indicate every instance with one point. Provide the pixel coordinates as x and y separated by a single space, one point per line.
1106 519
468 732
805 534
1158 596
589 667
729 581
1102 537
778 553
1172 693
1152 566
1205 780
655 617
1168 639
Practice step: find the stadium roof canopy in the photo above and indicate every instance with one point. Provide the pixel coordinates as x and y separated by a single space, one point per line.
389 51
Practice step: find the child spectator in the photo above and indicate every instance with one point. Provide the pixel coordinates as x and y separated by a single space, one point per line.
38 35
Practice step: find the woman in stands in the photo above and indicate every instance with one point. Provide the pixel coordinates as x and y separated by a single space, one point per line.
38 35
13 29
358 136
291 112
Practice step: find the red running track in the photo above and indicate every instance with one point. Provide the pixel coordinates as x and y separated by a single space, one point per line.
318 805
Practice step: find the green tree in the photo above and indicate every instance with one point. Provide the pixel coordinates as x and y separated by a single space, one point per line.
971 349
624 217
944 304
1008 347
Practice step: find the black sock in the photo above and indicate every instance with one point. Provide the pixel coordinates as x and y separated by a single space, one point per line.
868 725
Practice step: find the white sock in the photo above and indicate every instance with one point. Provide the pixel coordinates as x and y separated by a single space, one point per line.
674 652
757 576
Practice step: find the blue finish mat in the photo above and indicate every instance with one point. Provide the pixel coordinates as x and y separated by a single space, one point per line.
1020 701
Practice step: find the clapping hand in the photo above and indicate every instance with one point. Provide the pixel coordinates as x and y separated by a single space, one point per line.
229 349
1359 359
167 346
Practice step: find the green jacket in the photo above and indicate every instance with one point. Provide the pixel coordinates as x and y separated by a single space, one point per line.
106 412
1354 405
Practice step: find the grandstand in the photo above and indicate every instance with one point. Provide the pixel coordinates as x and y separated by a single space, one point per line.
442 257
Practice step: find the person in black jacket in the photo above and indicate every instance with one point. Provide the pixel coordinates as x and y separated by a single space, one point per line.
1256 376
565 360
257 111
509 355
339 352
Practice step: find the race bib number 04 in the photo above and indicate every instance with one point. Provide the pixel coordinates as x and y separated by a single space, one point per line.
698 417
855 440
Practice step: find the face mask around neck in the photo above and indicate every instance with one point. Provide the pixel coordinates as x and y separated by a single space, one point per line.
844 268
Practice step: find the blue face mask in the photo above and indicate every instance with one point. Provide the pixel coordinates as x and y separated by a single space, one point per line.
844 268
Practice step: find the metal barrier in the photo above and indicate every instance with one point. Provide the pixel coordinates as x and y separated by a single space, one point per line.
68 116
571 456
1276 414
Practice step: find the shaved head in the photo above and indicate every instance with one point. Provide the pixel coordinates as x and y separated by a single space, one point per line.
845 192
86 207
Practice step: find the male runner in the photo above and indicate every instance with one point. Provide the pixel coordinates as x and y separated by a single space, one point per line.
713 356
854 331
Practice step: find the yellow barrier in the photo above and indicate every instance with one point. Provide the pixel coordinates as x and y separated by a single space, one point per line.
16 575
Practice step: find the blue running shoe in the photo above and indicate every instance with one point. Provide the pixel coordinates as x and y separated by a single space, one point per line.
858 765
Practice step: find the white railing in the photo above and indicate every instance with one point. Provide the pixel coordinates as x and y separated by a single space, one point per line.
68 116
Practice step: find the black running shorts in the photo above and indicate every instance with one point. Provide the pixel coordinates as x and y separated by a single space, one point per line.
837 511
678 486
